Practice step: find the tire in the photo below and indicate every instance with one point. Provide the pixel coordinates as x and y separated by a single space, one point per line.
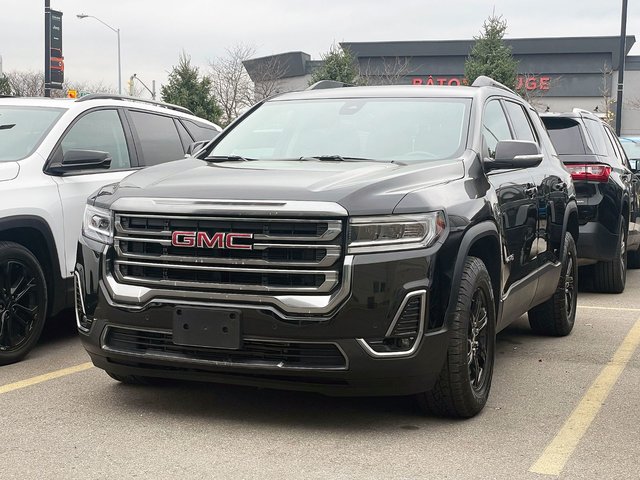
611 276
23 302
462 388
557 315
633 259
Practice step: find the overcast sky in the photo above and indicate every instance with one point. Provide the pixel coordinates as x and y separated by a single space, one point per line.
153 33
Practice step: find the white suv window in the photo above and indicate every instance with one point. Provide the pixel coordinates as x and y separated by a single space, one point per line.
100 130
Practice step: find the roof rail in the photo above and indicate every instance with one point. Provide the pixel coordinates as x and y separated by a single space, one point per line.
328 84
581 110
484 81
110 96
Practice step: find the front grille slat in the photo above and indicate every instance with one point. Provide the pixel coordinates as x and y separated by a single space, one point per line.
254 352
287 255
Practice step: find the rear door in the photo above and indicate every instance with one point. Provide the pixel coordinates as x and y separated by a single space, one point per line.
157 137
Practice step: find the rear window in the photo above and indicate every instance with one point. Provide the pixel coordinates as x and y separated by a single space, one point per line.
566 135
23 128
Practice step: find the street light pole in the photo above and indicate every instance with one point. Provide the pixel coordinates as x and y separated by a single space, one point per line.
621 62
117 31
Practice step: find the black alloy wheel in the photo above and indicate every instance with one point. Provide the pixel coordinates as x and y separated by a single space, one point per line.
611 276
23 300
462 388
478 341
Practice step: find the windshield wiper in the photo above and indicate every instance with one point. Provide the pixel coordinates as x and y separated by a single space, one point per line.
7 126
229 158
335 158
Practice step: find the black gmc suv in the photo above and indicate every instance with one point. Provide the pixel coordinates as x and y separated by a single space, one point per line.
351 241
607 192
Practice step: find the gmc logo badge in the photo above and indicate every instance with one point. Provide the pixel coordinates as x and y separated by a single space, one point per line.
203 240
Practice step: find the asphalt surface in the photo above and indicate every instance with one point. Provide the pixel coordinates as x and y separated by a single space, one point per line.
85 425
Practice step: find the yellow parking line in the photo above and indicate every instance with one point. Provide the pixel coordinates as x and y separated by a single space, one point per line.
9 387
555 456
622 309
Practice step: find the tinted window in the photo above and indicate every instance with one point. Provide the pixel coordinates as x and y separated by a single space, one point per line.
618 153
494 126
519 121
596 132
23 128
200 131
566 135
403 129
158 136
99 130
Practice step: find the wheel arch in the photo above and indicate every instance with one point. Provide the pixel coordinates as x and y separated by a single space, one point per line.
34 234
482 241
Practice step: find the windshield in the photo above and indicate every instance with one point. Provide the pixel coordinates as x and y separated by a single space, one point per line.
384 129
23 128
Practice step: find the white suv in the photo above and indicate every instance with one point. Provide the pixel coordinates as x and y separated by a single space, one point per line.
53 155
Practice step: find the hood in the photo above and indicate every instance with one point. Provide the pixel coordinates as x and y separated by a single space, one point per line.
361 187
8 170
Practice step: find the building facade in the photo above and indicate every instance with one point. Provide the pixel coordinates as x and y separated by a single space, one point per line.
557 74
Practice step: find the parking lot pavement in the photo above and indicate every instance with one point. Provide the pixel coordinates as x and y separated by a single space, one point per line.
556 403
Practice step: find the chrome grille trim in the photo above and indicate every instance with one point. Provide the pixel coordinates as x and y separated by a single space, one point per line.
334 227
195 206
330 277
283 254
317 308
331 256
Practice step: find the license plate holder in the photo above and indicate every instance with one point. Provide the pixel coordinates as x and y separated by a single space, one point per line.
207 328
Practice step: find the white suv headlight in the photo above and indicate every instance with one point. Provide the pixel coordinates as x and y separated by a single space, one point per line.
97 224
395 232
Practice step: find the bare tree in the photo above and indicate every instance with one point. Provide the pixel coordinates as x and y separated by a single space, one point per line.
389 72
608 101
29 83
267 77
230 82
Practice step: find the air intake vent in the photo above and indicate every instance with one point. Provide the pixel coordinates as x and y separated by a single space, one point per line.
403 336
254 352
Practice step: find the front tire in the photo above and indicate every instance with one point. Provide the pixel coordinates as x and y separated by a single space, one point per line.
557 315
462 389
23 302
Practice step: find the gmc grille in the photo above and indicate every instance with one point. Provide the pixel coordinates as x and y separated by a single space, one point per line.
294 256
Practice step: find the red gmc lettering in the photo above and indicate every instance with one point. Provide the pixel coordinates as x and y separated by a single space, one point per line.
216 241
232 236
183 239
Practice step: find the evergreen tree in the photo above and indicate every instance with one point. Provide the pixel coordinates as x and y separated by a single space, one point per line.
338 65
490 56
186 88
5 86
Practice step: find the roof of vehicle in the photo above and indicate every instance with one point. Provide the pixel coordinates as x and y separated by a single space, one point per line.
394 91
70 103
576 113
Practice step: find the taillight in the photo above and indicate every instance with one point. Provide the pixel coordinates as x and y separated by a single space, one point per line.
592 172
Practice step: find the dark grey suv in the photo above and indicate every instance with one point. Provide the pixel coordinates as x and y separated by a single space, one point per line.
351 241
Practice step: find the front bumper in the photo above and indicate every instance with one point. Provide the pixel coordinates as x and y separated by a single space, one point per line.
380 285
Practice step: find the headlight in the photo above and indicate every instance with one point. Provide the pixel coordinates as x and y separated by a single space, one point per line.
98 224
394 232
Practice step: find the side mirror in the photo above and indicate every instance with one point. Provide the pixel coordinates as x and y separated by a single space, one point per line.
77 160
195 147
514 154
